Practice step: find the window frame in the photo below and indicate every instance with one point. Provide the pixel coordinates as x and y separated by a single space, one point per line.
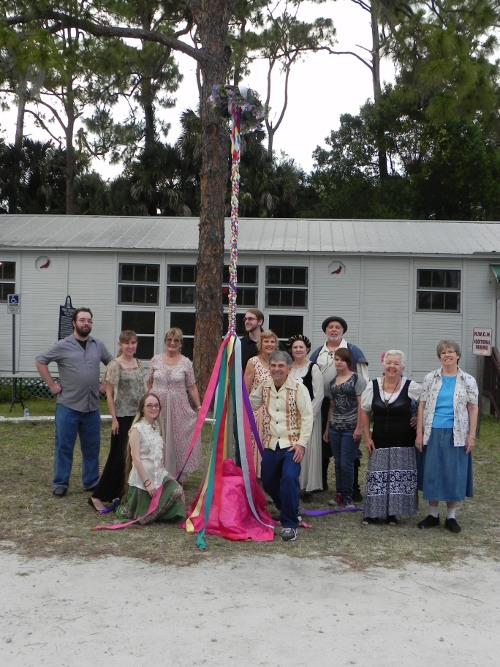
137 283
434 291
244 288
187 287
7 285
298 289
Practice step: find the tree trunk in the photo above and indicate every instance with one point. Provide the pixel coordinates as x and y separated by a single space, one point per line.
213 23
377 88
70 156
22 89
148 105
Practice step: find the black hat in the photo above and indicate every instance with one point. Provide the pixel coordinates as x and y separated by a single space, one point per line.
301 337
340 320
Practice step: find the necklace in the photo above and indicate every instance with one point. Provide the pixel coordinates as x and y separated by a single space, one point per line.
263 361
388 400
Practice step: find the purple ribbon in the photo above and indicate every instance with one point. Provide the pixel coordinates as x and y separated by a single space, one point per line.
324 512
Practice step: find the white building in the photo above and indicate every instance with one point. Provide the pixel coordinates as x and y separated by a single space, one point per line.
399 284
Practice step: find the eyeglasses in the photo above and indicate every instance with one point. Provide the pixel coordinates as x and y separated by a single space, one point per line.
152 406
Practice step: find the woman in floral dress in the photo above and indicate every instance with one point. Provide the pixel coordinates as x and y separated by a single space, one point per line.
125 386
171 378
256 371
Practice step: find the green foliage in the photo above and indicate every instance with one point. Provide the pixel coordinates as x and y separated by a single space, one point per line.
41 188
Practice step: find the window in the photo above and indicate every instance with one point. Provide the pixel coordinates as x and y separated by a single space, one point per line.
138 284
438 290
7 279
291 287
143 323
247 295
285 326
181 284
186 322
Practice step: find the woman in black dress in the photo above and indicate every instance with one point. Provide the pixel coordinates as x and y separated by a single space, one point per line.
391 478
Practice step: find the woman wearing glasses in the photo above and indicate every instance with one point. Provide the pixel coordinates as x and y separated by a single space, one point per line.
146 472
171 377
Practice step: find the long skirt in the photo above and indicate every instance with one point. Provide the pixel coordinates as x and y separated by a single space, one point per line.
112 480
448 473
391 482
172 505
311 478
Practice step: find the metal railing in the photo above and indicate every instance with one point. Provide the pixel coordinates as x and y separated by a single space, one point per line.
491 386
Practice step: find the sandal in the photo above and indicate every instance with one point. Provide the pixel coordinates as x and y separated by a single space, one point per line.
391 520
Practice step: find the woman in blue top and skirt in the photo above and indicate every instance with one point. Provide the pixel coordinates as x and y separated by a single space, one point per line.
446 428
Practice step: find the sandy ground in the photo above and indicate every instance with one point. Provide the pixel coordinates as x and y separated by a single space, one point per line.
251 611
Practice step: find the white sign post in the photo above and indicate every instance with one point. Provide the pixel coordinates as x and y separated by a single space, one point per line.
14 304
14 308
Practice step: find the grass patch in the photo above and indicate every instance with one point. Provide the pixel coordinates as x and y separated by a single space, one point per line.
36 524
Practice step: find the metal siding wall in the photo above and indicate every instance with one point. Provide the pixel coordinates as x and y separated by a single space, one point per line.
430 328
42 292
335 295
479 307
375 295
386 310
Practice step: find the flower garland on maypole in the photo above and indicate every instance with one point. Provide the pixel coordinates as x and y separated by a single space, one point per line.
226 388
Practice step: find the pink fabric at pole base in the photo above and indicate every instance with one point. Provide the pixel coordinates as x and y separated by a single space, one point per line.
234 519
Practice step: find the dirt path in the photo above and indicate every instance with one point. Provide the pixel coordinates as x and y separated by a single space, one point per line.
251 611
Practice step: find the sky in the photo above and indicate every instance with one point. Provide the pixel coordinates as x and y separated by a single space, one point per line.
321 88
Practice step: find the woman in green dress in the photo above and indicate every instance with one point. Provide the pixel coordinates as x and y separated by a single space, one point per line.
147 476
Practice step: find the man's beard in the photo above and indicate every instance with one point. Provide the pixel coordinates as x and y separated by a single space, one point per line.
84 331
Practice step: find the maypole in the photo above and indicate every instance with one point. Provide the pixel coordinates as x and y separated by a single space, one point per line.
230 502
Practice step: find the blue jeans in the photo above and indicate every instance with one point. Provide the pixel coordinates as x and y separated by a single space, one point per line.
87 425
344 451
280 478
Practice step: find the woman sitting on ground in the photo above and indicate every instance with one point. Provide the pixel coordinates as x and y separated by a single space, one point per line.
146 473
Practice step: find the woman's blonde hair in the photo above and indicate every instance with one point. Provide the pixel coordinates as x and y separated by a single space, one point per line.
174 332
265 335
125 336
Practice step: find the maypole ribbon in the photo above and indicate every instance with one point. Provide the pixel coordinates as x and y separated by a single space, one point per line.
210 511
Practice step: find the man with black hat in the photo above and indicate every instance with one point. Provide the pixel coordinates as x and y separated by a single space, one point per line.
335 328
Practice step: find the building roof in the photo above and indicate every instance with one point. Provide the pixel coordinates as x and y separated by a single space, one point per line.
262 235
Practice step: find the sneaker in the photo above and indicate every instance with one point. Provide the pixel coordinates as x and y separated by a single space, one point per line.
289 534
452 525
338 500
59 491
429 522
348 503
